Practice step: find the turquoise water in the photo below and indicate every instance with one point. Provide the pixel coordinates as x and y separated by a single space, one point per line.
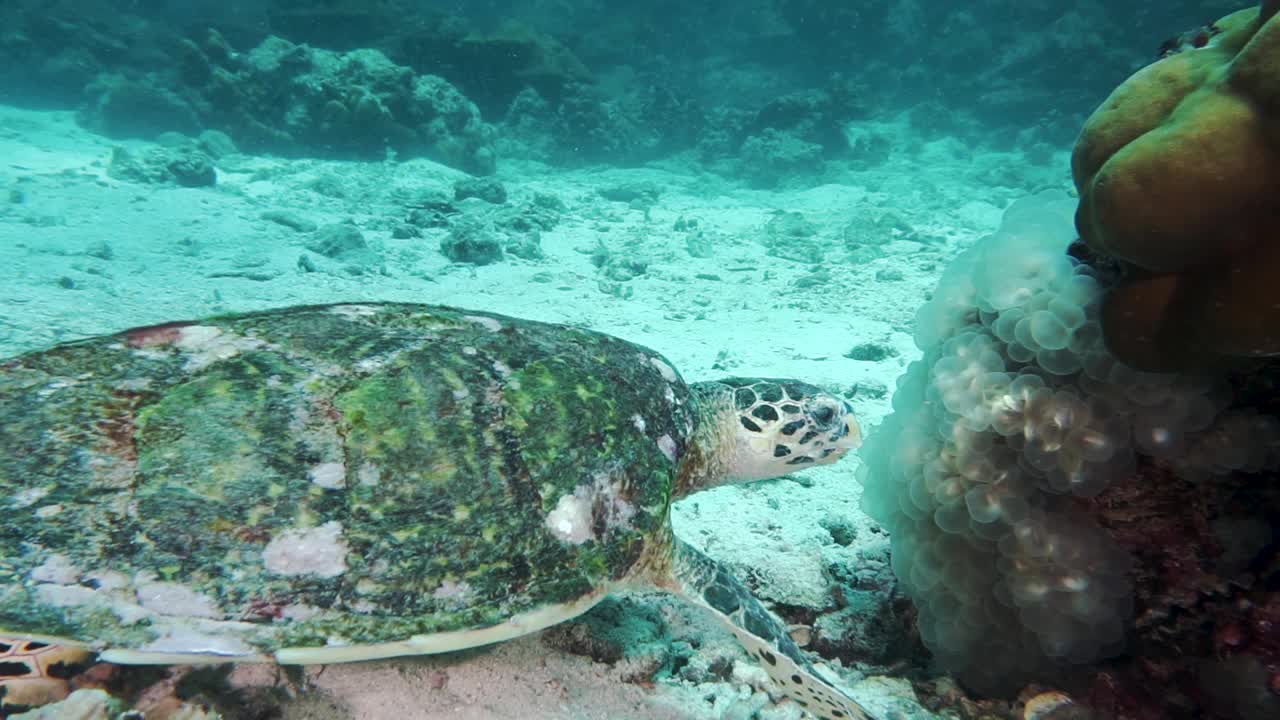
871 197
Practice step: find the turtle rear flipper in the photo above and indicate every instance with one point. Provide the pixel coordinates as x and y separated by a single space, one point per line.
709 584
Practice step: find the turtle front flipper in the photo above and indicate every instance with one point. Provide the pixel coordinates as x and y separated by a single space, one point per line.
710 584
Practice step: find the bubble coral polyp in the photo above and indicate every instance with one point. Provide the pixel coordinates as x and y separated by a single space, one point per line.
1179 178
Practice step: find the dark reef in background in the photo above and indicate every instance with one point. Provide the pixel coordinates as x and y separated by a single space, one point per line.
765 84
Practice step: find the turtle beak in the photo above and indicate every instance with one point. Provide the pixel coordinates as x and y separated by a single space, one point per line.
849 437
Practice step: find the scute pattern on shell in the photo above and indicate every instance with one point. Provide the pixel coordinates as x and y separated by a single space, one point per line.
144 476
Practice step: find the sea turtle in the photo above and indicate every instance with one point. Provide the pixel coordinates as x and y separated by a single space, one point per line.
334 483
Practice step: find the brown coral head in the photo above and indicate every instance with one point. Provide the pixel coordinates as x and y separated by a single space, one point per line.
1178 172
1176 322
1140 326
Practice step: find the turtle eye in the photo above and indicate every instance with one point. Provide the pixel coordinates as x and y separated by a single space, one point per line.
824 415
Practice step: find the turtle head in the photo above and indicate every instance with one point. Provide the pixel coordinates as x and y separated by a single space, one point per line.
758 428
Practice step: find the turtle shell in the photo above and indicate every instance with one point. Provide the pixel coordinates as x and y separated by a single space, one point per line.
335 476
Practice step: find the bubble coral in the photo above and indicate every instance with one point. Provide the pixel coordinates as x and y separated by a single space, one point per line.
1179 179
1004 436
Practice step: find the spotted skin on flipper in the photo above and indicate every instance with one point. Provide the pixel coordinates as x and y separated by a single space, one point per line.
709 584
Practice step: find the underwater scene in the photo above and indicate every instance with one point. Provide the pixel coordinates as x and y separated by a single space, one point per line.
585 360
